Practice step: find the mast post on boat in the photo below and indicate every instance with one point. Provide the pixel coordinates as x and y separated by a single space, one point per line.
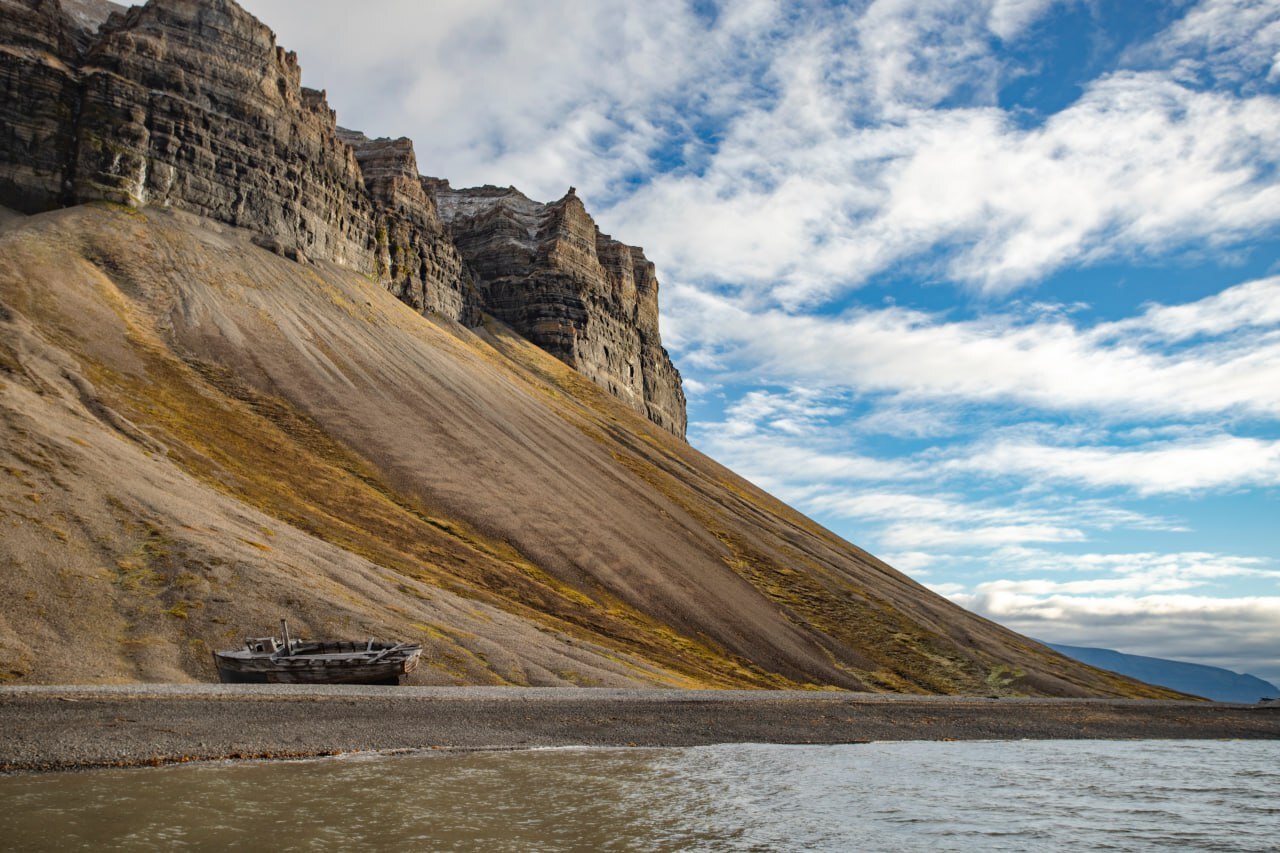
264 661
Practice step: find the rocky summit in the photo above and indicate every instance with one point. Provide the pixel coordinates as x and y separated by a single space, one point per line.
253 365
547 271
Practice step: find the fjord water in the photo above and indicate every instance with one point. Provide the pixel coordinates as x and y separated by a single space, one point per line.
1045 795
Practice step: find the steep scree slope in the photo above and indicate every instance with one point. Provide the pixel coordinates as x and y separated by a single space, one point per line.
200 435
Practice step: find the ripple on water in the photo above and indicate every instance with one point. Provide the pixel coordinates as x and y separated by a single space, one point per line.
1047 795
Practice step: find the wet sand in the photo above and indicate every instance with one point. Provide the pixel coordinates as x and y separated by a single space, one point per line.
64 728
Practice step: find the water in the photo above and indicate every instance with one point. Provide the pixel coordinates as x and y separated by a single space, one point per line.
927 796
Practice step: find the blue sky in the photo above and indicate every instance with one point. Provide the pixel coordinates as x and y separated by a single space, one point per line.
992 289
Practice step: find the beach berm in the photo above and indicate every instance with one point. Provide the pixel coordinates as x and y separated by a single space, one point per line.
63 728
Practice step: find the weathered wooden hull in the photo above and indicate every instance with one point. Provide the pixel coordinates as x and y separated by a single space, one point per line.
237 667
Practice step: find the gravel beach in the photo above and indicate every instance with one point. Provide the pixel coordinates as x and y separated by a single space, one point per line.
63 728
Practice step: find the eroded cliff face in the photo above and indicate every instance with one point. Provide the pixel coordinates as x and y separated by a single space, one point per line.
548 272
414 255
191 104
39 87
184 103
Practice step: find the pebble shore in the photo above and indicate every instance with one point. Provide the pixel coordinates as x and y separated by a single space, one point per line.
66 728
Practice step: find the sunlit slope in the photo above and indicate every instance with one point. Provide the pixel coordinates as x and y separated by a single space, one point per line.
200 437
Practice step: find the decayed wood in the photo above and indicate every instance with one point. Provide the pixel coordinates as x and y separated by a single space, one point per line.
266 659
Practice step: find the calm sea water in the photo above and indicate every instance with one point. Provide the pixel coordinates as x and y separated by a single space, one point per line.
1046 795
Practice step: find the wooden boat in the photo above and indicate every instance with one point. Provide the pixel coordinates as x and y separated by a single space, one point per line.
268 660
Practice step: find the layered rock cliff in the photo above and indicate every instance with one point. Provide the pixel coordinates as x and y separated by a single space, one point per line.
548 271
39 91
415 257
191 104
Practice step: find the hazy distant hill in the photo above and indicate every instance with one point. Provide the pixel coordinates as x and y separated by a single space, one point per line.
1211 682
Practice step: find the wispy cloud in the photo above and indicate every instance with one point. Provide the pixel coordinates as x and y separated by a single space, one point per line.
1250 306
1050 363
795 210
1235 41
1223 461
1008 19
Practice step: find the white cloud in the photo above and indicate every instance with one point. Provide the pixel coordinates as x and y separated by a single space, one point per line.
780 466
914 563
916 53
910 534
1185 564
1234 40
693 388
540 95
1139 165
1252 305
1009 18
920 524
1128 573
797 412
956 509
1048 363
1223 461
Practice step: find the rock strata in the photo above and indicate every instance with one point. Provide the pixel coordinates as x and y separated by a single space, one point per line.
191 104
548 271
39 85
415 257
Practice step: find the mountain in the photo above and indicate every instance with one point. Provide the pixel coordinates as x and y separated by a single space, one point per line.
191 104
253 365
1211 682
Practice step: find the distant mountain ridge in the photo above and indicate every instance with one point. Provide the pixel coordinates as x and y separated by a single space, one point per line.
1211 682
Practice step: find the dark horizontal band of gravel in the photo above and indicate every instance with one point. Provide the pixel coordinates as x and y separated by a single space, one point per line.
61 728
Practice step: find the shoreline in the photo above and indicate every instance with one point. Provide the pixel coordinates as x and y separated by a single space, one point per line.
56 728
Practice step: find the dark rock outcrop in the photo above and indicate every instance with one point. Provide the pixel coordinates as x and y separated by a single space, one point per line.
187 103
39 93
548 272
191 104
415 257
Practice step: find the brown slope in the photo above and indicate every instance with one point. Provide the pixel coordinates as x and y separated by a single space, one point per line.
201 434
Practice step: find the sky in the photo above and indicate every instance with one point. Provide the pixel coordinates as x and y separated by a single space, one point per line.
989 288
